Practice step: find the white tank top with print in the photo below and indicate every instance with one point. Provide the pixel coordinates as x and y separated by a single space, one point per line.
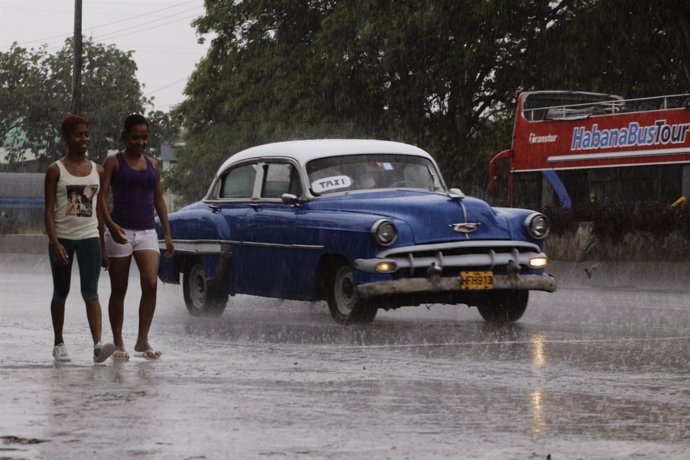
75 209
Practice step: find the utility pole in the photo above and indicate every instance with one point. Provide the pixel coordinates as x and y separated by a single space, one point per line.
76 59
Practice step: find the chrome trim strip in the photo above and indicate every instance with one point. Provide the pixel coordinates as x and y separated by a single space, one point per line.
259 244
216 246
459 260
199 246
459 245
464 215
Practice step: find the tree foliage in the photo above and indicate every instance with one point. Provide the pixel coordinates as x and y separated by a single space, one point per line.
428 72
441 74
35 94
27 93
635 49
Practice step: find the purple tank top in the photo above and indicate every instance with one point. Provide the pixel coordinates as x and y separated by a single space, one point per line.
133 194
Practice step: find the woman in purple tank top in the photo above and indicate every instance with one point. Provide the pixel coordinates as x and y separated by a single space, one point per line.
134 180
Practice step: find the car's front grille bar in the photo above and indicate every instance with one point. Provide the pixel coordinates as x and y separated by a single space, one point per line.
454 255
489 259
460 247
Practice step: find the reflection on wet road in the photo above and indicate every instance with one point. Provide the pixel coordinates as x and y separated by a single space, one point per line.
589 372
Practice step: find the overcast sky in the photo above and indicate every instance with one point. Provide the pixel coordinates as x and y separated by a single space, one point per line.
158 31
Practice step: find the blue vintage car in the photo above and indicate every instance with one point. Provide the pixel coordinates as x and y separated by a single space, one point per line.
361 224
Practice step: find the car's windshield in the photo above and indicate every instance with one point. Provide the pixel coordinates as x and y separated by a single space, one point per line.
372 171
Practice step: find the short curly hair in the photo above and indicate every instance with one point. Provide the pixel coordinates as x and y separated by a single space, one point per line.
133 120
69 122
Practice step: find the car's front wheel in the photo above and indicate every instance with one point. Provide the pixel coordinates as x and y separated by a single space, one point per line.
503 306
345 305
199 297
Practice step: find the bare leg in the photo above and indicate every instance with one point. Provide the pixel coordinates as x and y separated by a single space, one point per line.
57 313
119 277
148 262
94 315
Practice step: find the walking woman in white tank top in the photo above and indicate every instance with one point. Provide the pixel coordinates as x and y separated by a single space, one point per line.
74 226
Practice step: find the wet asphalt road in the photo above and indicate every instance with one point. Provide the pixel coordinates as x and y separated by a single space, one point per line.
599 369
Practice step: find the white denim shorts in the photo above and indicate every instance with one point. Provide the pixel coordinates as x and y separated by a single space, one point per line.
137 240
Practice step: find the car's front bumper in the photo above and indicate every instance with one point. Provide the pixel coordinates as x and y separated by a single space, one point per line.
544 282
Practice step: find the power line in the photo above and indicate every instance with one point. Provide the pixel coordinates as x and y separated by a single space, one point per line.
130 18
162 49
164 106
140 29
166 86
146 25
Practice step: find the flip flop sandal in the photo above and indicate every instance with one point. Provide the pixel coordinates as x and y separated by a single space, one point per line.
150 355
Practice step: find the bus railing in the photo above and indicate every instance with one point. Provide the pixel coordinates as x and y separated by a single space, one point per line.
610 107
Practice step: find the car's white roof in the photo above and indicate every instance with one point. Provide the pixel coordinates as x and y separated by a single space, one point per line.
305 150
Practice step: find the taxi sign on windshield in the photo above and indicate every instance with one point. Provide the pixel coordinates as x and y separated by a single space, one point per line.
328 184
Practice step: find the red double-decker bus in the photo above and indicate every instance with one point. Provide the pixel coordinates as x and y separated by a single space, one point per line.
571 147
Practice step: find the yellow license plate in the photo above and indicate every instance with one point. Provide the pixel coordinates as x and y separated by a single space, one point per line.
476 280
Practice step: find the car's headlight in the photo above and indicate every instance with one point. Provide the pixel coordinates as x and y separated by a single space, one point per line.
538 262
384 232
537 225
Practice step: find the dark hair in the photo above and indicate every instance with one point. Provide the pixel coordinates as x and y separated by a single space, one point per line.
69 122
133 120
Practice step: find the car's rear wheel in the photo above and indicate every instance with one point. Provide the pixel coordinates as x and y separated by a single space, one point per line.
504 306
200 298
345 305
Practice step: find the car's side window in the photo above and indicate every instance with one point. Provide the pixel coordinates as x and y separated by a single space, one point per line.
239 182
279 178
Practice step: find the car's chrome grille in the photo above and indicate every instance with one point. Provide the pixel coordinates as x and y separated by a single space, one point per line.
462 247
451 257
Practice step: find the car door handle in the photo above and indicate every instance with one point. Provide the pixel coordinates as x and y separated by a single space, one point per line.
214 208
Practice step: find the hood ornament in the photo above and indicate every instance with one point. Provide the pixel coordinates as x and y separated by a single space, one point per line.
467 227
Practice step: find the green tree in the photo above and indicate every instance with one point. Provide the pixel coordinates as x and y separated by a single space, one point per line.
28 93
164 129
635 49
430 72
35 92
441 72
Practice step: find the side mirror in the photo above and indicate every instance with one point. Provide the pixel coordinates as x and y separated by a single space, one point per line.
455 194
289 198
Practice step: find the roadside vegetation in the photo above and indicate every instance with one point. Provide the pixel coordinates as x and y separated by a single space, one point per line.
614 220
